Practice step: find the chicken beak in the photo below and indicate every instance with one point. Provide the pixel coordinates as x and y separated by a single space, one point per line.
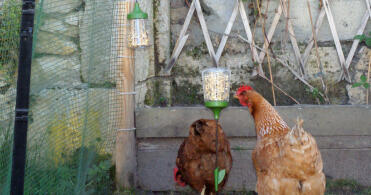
236 96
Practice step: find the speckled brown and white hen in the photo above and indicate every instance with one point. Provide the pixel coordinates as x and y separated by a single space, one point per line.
287 161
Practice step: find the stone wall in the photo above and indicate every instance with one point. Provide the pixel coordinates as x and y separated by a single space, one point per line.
183 86
69 27
72 80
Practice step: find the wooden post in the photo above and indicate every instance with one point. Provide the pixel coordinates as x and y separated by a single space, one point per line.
125 154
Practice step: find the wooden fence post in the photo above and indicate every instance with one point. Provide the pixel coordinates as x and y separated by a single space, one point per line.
125 154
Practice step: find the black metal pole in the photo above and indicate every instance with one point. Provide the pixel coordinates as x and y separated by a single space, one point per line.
22 100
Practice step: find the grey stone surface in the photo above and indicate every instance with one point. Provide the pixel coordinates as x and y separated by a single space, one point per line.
49 43
57 26
330 63
357 95
362 64
55 71
162 23
73 18
61 7
95 42
318 120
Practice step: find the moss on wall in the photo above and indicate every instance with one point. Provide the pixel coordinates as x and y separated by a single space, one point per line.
155 95
68 132
186 93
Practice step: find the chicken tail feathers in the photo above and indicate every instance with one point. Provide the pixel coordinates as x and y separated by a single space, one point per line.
298 128
178 177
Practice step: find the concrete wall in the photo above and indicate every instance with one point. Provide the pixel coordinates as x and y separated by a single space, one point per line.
343 134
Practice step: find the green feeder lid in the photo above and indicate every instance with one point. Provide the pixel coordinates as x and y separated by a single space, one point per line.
216 104
216 107
137 13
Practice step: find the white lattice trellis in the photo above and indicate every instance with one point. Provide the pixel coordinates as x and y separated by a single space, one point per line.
301 59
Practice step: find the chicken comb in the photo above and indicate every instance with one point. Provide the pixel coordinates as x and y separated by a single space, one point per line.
243 88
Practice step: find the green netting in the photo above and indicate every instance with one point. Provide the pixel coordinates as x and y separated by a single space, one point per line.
9 41
72 105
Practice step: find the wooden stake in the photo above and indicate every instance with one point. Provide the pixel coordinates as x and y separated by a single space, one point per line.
125 140
320 67
310 45
266 45
272 29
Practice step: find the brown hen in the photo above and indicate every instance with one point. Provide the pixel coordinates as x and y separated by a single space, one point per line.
287 161
196 157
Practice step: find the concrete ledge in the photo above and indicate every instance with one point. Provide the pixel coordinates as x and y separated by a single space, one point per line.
237 122
343 134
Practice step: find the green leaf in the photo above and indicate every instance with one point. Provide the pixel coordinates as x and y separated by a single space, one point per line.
360 37
369 33
366 85
363 78
221 176
356 85
315 92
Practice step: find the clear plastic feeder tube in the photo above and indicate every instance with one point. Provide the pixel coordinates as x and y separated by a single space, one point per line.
216 84
138 36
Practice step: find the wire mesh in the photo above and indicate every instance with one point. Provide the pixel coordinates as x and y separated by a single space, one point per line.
10 11
74 110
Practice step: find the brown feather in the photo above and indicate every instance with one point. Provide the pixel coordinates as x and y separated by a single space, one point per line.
287 161
196 156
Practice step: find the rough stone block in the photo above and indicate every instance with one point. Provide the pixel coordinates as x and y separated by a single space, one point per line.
95 42
330 63
61 7
48 43
364 56
57 26
55 71
73 18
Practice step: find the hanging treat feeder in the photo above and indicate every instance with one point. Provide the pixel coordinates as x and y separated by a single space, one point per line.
216 85
138 20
